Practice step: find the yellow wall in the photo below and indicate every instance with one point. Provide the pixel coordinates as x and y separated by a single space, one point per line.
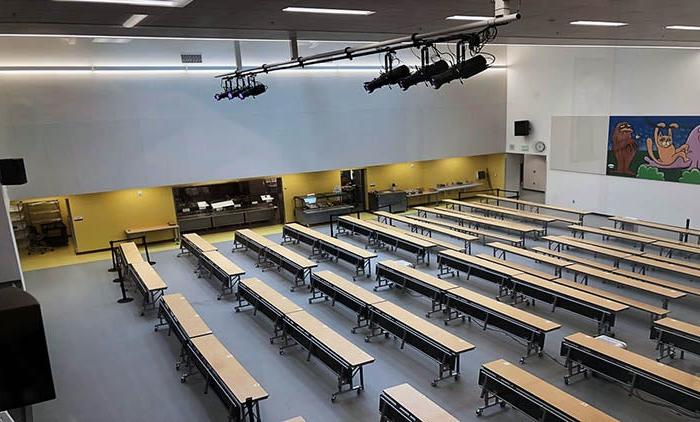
428 174
305 183
105 216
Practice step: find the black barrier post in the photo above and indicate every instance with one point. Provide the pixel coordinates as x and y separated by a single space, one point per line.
145 247
687 226
114 260
124 298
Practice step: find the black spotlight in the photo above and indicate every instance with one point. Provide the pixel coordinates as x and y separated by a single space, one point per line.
221 96
461 70
252 91
388 78
424 74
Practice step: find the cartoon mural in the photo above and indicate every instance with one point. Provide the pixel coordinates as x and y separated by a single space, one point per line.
655 148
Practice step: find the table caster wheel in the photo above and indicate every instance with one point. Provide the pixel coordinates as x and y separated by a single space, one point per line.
386 335
237 310
479 412
352 331
142 313
182 380
433 384
366 339
155 329
333 397
359 391
566 381
502 404
177 366
457 377
281 352
522 361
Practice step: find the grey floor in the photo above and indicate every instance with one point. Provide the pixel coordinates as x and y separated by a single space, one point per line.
110 365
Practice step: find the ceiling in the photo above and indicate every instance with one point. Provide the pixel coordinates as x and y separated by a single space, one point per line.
544 21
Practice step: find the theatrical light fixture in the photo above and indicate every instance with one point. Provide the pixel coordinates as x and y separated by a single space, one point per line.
684 27
598 23
252 91
462 70
468 18
424 74
326 11
134 20
390 77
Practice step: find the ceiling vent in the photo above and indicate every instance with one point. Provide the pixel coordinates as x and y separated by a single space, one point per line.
191 58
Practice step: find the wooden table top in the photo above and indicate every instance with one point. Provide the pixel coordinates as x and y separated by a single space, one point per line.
625 236
344 348
557 262
536 204
674 261
565 240
257 238
677 325
295 419
494 222
481 262
418 222
519 268
418 275
232 373
560 400
130 252
575 258
503 211
148 275
135 230
199 242
626 281
437 334
340 244
276 299
350 288
607 294
695 291
678 246
398 234
421 407
650 366
655 225
292 256
573 293
525 317
192 324
643 260
606 245
224 263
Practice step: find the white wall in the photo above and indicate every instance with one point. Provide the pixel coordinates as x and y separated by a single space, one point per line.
587 81
105 131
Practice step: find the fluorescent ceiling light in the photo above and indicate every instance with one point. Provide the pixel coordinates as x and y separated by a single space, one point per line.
328 11
157 3
684 27
598 23
111 40
468 18
134 20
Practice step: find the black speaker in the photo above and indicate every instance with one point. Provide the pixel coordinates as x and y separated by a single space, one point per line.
522 128
25 370
12 172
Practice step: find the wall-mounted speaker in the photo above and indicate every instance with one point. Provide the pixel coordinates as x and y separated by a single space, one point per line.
12 172
522 128
25 370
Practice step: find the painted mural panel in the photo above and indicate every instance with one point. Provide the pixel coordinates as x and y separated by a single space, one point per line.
665 148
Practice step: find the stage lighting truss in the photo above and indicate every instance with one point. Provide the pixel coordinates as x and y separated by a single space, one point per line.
468 61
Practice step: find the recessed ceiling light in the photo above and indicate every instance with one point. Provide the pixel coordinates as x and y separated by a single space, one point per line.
328 11
598 23
157 3
468 18
134 20
684 27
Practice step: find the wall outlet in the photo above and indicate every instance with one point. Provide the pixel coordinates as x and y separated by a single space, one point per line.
525 148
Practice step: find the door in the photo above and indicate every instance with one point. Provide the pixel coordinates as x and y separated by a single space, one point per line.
535 173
